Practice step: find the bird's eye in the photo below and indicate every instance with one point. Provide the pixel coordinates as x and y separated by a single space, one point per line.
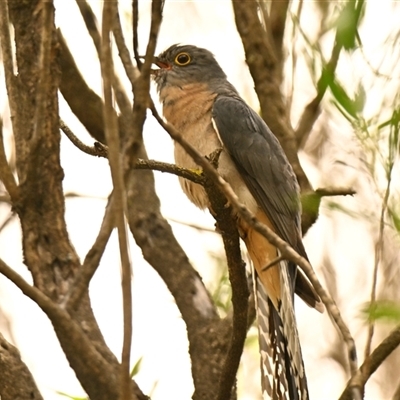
182 59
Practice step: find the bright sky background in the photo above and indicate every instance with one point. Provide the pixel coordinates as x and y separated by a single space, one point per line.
159 332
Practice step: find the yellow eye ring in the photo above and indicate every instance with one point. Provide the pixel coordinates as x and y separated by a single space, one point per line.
183 59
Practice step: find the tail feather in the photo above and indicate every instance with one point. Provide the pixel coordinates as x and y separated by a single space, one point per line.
283 376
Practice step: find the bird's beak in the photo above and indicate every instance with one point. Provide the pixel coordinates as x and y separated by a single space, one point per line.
160 64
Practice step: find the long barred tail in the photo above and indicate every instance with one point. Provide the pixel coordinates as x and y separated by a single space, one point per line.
282 368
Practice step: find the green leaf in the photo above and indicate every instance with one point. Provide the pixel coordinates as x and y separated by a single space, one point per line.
383 310
310 203
136 367
395 218
343 99
347 24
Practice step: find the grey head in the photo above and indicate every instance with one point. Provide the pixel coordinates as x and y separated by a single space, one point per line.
185 64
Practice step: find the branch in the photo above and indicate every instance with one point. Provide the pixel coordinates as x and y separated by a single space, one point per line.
135 23
191 175
130 70
90 22
345 37
286 251
8 65
237 276
98 149
273 262
101 150
54 262
144 213
6 175
44 75
207 334
87 106
65 325
335 191
371 364
9 218
92 260
193 226
380 243
277 25
311 202
264 68
142 85
16 381
311 111
112 137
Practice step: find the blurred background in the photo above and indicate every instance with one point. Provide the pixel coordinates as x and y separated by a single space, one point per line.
352 145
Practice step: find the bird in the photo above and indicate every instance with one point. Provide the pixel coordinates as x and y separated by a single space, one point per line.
200 102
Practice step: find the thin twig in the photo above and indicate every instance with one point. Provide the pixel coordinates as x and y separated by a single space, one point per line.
5 198
312 110
272 263
131 72
91 25
371 364
92 260
101 150
98 149
286 250
379 249
335 191
135 23
142 84
192 175
8 65
193 226
293 39
112 137
6 175
9 218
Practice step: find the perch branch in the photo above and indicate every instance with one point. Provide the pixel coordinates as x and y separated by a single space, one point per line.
286 250
237 276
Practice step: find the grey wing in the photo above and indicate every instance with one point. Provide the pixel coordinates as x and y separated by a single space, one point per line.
262 164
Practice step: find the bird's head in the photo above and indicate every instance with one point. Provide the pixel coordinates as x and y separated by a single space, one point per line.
181 65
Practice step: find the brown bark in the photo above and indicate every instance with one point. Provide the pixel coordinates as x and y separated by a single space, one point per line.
265 69
48 253
16 381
